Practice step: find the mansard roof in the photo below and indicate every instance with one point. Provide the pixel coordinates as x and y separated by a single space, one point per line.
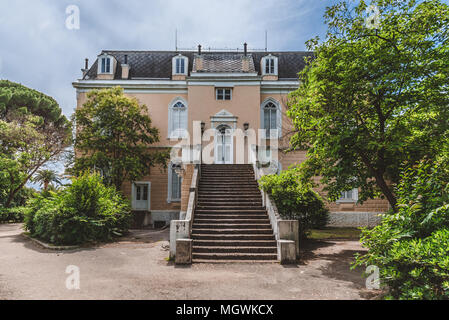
158 64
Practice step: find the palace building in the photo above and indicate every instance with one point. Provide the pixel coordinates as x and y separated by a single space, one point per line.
226 92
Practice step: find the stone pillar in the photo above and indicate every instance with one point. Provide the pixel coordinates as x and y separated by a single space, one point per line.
183 251
179 229
286 251
289 230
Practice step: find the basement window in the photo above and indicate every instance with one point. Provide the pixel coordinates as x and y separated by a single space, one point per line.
223 93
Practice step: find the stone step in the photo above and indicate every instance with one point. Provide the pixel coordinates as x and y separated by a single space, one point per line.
235 221
198 230
234 256
226 212
229 182
215 203
228 193
251 216
221 225
207 236
229 207
232 243
236 249
226 185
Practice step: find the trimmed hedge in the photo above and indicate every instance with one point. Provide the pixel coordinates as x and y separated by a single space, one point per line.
85 211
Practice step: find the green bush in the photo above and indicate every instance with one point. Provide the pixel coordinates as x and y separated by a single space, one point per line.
85 211
411 247
296 200
12 215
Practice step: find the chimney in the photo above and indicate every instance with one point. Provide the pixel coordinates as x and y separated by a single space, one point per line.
198 60
245 58
86 67
125 68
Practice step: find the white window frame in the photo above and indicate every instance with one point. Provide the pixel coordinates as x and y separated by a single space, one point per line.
100 63
224 94
170 198
264 62
186 65
182 132
133 195
273 133
353 199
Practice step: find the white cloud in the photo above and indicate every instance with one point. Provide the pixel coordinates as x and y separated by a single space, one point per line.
37 49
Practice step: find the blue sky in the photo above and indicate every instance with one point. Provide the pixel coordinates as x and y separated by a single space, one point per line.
37 50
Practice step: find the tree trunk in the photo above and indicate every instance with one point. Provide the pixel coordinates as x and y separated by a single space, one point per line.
45 185
386 191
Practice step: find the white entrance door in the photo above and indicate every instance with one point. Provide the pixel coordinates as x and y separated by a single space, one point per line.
223 145
141 198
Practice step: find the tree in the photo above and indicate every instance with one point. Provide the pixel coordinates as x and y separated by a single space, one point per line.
372 100
45 177
33 132
411 248
114 133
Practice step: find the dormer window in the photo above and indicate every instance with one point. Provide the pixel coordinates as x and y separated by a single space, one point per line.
270 65
105 64
180 65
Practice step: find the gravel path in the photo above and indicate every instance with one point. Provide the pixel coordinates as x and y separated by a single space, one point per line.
136 268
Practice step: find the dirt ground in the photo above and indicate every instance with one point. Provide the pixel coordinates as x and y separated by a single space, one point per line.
136 268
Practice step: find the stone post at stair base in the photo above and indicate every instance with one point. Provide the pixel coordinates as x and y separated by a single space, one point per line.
183 251
289 230
286 251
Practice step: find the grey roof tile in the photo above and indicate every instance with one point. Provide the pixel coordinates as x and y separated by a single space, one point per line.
158 64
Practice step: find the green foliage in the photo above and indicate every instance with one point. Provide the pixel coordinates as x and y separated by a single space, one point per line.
411 247
114 135
32 132
295 200
372 100
12 215
85 211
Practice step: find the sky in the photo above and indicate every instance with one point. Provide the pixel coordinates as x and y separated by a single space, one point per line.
38 50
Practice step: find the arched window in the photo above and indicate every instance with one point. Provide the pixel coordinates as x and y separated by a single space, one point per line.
177 120
271 117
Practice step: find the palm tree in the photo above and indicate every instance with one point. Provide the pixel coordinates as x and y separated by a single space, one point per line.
46 176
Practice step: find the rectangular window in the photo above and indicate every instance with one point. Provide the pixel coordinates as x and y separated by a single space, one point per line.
145 192
138 192
180 66
175 184
223 93
105 65
269 66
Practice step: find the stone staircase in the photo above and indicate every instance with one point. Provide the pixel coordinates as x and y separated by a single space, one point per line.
230 224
